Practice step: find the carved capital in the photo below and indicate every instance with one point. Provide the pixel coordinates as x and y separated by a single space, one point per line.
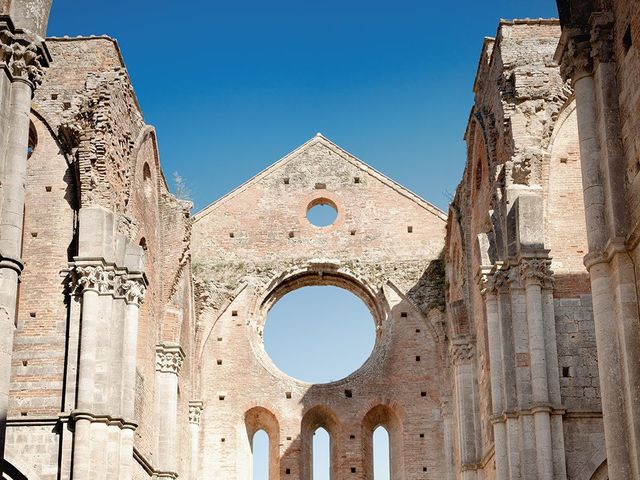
96 278
169 358
462 350
195 411
23 55
536 270
602 46
493 282
132 288
576 61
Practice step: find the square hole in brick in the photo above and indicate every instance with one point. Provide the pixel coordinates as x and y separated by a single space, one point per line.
234 313
54 96
287 394
409 229
353 232
34 234
287 471
292 234
219 339
24 414
25 363
417 358
403 314
288 439
422 435
32 314
286 181
353 470
321 186
232 235
220 397
352 437
566 372
348 393
47 188
417 330
423 394
219 362
222 440
356 179
424 469
66 105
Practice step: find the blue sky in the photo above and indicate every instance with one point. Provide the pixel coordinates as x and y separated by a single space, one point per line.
233 86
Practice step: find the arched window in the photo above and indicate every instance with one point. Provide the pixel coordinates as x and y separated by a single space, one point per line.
33 140
381 454
260 451
321 455
146 179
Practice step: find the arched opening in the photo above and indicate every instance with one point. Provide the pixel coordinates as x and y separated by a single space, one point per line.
261 460
146 179
260 453
33 140
382 442
319 334
381 454
321 455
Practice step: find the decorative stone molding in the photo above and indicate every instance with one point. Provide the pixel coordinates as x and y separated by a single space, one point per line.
93 277
169 358
536 270
493 282
23 55
462 350
132 288
195 411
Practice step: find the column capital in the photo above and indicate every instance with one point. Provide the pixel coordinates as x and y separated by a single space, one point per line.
492 281
195 411
574 55
169 358
535 271
22 54
93 277
462 349
131 287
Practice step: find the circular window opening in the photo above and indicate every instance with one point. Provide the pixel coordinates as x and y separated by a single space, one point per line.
319 334
322 212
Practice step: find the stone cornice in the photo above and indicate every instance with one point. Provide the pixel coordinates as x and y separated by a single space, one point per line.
23 56
169 358
120 422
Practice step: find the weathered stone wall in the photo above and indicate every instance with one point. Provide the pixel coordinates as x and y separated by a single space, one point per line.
92 153
521 195
255 245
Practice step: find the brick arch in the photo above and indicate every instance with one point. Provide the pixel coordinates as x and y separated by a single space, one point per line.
260 418
320 416
386 416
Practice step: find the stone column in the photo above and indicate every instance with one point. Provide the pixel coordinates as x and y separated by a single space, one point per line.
195 413
586 57
169 359
22 59
462 353
91 280
132 288
534 272
495 341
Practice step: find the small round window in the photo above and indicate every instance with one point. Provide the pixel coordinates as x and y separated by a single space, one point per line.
322 212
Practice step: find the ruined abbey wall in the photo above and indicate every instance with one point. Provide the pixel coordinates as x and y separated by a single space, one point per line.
255 245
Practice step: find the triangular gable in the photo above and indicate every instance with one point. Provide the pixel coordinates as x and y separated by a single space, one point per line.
322 140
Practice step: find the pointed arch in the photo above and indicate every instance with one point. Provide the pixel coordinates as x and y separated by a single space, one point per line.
384 415
317 417
261 419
